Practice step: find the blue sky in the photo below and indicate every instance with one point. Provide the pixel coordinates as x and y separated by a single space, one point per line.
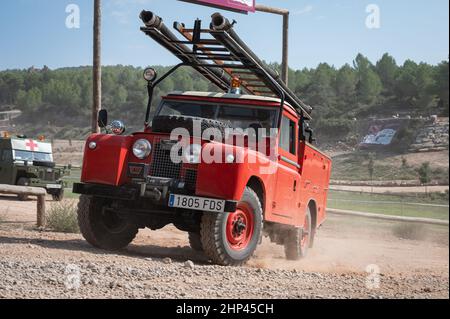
33 32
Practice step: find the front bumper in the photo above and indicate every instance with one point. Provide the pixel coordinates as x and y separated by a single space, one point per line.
52 187
157 190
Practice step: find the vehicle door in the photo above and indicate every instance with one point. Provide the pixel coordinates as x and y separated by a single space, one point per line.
286 201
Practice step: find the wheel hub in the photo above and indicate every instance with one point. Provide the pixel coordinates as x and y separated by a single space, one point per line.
240 228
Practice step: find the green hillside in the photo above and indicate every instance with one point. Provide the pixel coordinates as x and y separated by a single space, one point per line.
57 102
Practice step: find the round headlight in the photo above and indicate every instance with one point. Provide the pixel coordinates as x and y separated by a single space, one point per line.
193 154
142 149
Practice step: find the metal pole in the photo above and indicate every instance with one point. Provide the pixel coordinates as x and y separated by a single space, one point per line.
285 59
97 67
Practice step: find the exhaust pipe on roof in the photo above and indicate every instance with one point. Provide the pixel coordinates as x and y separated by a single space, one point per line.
150 19
219 22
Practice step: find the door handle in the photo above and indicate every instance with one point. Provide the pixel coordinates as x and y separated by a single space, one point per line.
295 186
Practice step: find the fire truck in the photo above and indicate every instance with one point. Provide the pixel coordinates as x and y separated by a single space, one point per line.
227 168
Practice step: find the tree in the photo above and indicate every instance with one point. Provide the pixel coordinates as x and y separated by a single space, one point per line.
371 168
369 85
346 80
387 70
424 172
442 87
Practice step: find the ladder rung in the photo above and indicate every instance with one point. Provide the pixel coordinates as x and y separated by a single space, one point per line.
215 58
202 42
213 49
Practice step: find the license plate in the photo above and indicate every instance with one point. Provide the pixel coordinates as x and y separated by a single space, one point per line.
54 186
197 203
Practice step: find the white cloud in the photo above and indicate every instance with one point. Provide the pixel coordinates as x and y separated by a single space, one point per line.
304 10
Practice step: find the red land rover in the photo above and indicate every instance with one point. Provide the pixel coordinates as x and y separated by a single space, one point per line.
227 168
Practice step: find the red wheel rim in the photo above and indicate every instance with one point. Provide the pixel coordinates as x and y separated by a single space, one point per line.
305 233
240 227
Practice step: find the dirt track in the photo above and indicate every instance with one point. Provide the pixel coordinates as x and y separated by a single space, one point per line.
35 264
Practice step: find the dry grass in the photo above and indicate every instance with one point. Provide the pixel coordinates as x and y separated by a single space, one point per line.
62 217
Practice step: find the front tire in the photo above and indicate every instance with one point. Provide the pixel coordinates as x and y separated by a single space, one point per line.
299 240
23 181
230 239
195 241
103 229
58 197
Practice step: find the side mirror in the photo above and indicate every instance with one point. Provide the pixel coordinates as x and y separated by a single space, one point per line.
103 118
150 74
311 138
117 127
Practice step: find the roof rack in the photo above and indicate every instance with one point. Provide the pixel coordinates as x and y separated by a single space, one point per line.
219 55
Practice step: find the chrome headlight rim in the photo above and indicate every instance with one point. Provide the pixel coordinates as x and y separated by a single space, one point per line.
92 145
193 154
142 149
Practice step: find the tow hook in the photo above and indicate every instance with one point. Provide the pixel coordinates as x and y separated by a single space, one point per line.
153 193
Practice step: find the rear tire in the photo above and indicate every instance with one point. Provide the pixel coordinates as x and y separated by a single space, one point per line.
195 241
102 229
299 240
58 197
23 181
230 239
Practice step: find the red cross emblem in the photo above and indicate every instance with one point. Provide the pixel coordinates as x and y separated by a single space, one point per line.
31 145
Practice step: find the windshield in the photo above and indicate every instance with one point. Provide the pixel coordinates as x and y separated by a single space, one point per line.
238 117
32 156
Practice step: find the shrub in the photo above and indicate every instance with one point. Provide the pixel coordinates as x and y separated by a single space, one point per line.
62 217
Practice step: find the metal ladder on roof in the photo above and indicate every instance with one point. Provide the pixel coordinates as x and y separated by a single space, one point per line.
220 56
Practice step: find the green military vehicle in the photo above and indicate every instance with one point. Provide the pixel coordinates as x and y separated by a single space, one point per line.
29 162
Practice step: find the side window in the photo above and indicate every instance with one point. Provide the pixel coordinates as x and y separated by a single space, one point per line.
288 136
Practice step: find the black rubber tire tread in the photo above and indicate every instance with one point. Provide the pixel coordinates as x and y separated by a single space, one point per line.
292 246
214 239
91 227
195 241
166 124
23 181
58 197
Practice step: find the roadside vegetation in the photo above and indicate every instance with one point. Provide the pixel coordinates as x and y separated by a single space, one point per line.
62 217
356 167
409 205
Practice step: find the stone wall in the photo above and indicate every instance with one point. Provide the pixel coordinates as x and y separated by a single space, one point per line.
433 137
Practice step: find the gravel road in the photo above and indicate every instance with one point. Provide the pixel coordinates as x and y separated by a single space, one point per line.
36 264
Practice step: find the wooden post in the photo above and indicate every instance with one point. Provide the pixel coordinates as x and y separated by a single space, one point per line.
41 217
29 191
285 60
97 66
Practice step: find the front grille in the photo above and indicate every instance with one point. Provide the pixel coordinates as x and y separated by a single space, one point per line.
162 166
49 176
